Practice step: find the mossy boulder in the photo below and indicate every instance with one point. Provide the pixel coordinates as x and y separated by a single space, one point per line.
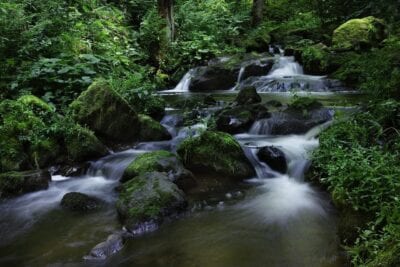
248 95
16 183
215 153
75 201
358 34
208 78
151 130
81 145
160 161
106 113
145 201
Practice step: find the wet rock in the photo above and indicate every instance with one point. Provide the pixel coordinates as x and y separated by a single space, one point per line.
160 161
274 158
257 68
239 119
215 153
208 78
248 95
151 130
75 201
106 113
288 122
16 183
149 199
357 34
113 244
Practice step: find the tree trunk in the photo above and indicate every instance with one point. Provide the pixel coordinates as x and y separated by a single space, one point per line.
166 10
257 12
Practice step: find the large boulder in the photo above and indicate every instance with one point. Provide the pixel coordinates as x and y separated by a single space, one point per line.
215 77
160 161
274 158
106 113
248 95
16 183
216 153
75 201
359 33
151 130
145 201
239 119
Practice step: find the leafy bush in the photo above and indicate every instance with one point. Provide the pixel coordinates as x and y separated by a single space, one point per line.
359 164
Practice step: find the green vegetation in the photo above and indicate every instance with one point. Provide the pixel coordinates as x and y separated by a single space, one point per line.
68 65
358 161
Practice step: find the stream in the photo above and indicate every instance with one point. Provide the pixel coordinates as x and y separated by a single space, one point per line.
272 219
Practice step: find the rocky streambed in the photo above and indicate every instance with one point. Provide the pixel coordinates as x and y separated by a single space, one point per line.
220 182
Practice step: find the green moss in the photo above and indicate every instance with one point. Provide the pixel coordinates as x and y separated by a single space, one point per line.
315 59
356 33
217 152
147 162
106 113
304 104
149 196
35 103
82 144
151 130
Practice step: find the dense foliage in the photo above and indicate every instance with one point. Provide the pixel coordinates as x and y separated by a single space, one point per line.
52 50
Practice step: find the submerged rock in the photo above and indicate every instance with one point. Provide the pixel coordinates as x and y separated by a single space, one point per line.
151 130
16 183
160 161
113 244
215 153
359 33
106 113
75 201
147 200
274 158
248 95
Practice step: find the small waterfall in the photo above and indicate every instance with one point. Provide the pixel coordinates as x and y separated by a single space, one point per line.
240 74
261 127
183 85
286 67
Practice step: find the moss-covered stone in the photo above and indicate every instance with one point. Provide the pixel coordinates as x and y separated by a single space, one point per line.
106 113
160 161
75 201
149 198
151 130
81 144
16 183
217 153
359 33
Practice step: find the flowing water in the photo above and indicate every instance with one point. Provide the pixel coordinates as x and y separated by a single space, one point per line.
272 219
